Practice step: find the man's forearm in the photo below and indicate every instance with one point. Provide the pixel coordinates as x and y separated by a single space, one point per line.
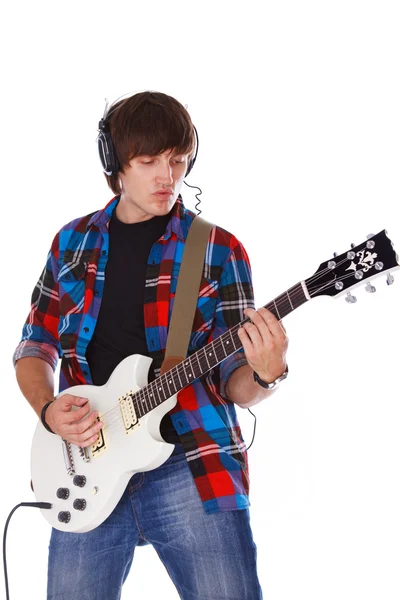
35 378
243 390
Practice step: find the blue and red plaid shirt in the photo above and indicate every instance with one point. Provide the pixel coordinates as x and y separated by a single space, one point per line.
64 310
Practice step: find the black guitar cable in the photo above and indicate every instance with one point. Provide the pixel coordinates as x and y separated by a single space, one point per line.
254 430
32 504
198 212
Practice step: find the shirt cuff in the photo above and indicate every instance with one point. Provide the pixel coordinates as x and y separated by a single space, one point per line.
230 364
41 350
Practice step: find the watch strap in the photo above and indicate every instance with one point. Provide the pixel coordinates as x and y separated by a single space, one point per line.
273 384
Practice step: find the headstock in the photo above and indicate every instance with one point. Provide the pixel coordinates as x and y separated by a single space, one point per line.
359 265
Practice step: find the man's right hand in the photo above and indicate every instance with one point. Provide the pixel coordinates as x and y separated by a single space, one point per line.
79 426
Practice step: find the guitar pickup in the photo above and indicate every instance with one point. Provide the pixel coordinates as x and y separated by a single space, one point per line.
128 413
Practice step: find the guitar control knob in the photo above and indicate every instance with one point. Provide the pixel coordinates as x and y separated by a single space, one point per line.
389 279
63 493
370 288
79 504
64 516
79 480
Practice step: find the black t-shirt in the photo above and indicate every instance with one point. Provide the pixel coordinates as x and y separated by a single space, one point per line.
119 330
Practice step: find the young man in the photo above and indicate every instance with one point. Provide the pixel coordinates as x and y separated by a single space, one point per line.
107 292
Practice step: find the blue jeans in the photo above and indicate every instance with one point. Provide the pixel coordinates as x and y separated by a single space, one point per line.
208 557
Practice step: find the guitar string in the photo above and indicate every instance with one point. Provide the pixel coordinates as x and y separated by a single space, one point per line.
278 302
140 394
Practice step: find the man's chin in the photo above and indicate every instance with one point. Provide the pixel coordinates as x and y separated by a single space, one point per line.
164 205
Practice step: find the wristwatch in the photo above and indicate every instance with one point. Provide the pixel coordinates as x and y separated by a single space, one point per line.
273 384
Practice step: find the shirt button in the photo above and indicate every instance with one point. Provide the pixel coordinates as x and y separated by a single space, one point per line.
85 372
68 276
86 329
104 252
96 292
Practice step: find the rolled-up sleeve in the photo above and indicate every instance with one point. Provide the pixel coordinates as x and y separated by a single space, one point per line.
234 296
40 331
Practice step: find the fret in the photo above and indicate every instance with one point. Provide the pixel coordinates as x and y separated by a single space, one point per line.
205 354
234 335
227 343
160 389
179 377
291 305
219 349
277 311
198 360
167 381
148 397
195 369
213 351
190 378
173 379
222 345
183 373
137 405
233 341
156 395
141 396
297 295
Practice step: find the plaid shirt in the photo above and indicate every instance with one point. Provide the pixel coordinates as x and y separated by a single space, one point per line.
65 306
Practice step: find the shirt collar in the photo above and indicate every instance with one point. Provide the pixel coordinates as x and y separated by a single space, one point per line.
177 223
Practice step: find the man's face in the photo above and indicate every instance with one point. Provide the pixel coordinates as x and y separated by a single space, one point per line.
148 175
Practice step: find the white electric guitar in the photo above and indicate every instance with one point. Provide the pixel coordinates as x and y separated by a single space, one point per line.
85 484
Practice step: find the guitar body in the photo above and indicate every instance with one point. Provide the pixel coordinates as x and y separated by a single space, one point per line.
105 470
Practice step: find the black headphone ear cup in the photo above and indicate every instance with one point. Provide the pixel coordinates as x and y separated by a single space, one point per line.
108 158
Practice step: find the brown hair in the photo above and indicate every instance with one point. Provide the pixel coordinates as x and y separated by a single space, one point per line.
148 123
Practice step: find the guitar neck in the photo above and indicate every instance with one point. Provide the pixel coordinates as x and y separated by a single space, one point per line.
203 360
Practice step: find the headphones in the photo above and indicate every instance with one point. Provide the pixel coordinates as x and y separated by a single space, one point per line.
108 156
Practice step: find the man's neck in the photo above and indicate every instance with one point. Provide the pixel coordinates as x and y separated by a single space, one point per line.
128 212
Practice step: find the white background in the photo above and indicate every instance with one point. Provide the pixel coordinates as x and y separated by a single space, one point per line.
297 109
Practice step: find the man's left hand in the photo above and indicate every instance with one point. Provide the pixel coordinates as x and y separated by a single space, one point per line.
265 343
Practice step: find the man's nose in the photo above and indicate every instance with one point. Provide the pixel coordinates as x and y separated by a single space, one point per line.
164 172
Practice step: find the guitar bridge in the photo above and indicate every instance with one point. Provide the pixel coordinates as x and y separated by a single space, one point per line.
128 413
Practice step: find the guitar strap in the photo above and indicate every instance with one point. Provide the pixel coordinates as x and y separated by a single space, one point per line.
187 293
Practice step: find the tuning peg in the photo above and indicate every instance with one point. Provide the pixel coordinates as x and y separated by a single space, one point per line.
389 279
370 235
350 299
352 245
370 288
334 254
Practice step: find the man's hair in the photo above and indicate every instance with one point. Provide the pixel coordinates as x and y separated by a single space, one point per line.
148 123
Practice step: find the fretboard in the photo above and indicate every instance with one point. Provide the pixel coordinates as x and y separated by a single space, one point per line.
203 360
